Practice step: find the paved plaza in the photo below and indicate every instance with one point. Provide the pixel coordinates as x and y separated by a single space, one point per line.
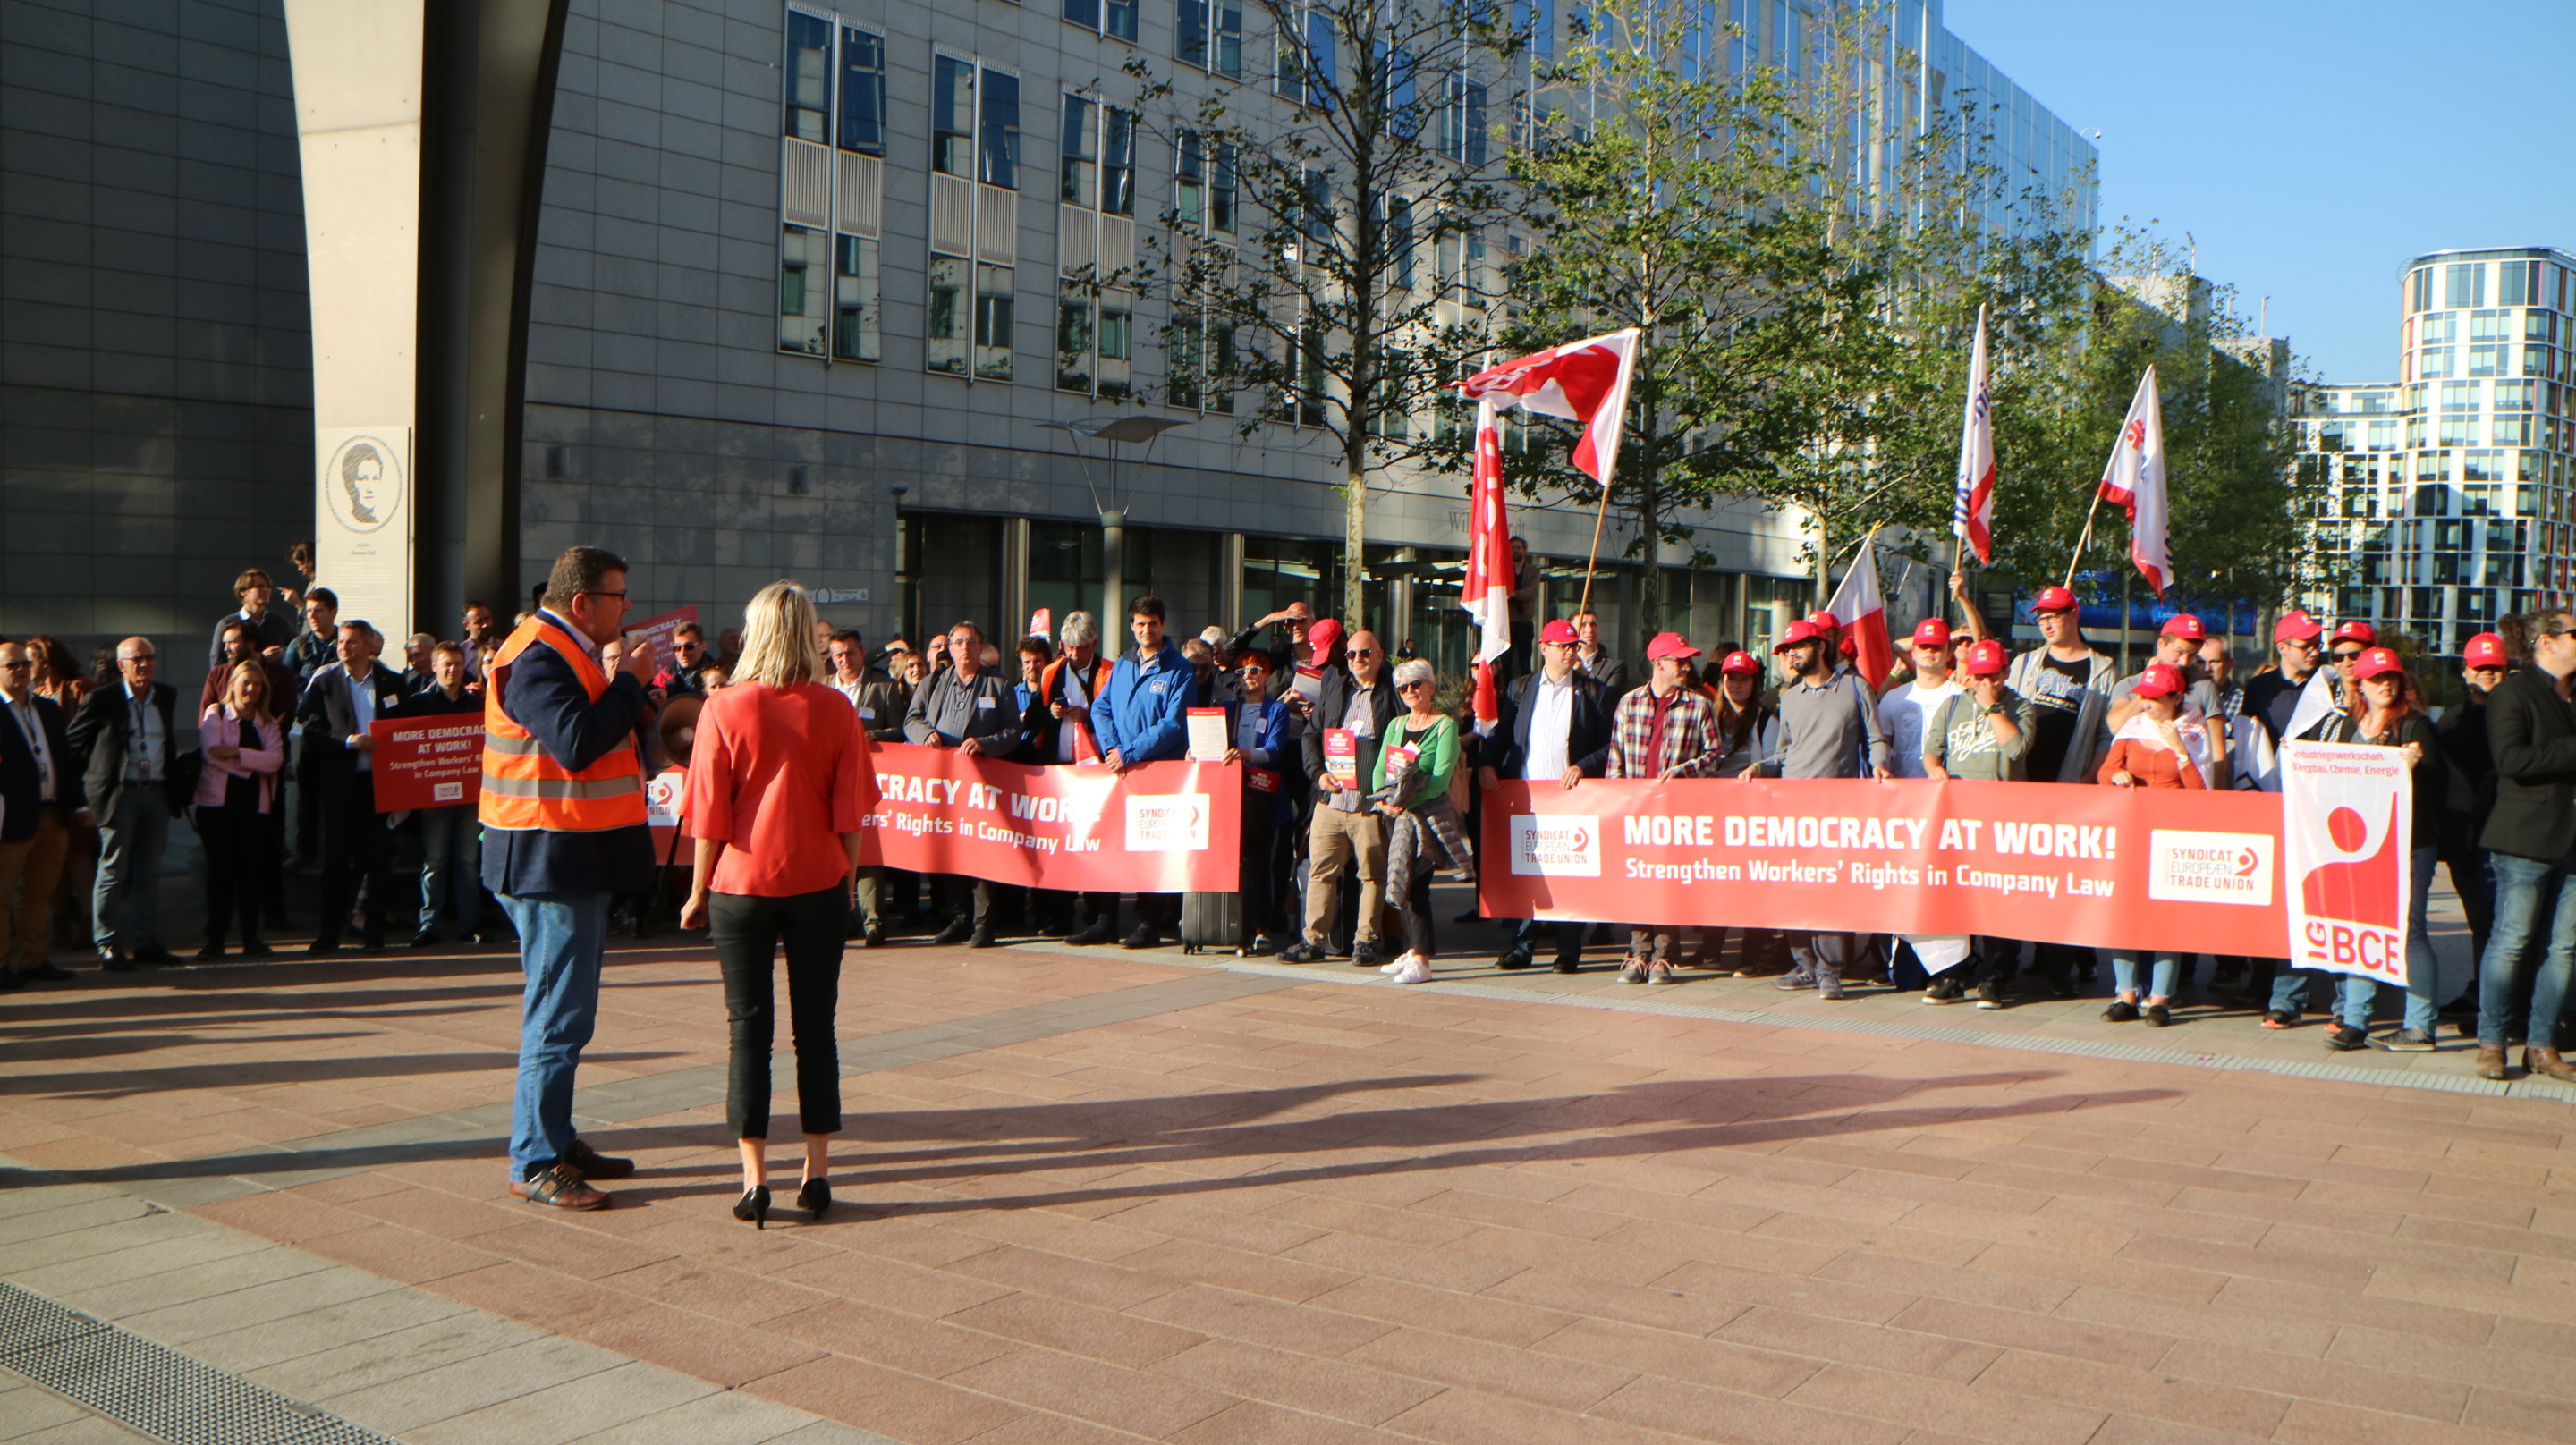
1095 1195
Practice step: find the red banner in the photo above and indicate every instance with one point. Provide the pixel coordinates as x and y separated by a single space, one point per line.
1162 828
2147 868
427 762
659 629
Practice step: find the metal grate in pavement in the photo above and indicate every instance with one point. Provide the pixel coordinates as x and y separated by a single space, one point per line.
150 1387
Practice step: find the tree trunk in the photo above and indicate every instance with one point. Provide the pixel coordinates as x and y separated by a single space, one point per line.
1650 580
1354 549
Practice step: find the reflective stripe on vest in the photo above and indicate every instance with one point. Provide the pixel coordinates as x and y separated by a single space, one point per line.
526 789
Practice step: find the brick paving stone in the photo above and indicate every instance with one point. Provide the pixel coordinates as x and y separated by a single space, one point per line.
1329 1211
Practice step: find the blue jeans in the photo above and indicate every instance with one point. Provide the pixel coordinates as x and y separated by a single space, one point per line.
2160 979
561 937
451 866
2519 884
125 899
2426 992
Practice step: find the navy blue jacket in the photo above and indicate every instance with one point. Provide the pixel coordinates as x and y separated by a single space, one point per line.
543 695
1587 743
20 780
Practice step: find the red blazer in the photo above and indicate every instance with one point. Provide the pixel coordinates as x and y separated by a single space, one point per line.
778 774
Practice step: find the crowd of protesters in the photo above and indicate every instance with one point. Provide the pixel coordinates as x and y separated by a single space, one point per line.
1339 849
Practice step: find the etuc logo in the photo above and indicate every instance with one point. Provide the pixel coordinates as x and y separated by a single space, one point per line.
1168 823
2184 866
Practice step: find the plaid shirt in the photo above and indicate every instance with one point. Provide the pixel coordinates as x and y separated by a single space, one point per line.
1690 736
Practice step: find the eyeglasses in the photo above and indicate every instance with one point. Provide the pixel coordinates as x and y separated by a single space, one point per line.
137 657
1410 686
2304 644
2342 656
1363 652
595 592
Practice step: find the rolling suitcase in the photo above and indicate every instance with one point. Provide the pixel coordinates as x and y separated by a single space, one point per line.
1213 921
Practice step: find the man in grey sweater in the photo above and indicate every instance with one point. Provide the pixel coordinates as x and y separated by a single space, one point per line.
1828 729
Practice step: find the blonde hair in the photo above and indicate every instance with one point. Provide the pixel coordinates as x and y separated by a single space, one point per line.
267 711
778 645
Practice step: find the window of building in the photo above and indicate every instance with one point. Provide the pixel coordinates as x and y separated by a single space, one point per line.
2383 436
1305 71
2460 396
2459 432
2514 395
2432 466
2512 431
1211 36
1203 184
2439 329
2490 360
2540 325
2435 362
1113 18
1464 125
1096 250
974 219
2480 465
2464 284
2480 498
831 188
2537 361
2518 283
2431 502
2490 326
2419 290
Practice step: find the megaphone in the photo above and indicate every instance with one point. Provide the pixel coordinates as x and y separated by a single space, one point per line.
679 728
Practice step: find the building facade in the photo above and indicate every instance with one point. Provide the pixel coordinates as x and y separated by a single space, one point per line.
801 307
2445 507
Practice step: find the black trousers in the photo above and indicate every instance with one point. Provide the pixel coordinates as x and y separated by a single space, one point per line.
355 848
241 865
748 933
962 899
1417 911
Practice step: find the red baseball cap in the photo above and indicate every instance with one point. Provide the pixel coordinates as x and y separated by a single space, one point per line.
1741 662
2484 650
1323 633
2052 599
1558 630
1932 632
2357 631
2296 626
2183 624
1824 621
1987 659
2161 679
2377 662
1799 631
1669 644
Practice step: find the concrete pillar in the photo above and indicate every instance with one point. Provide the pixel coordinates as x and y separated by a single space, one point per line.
422 132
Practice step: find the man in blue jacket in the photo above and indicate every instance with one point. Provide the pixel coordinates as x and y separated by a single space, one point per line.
1143 717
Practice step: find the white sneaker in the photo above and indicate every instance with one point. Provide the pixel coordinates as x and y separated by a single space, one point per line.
1400 962
1417 969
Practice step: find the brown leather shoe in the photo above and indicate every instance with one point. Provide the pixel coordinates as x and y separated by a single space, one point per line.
2490 1061
2547 1061
557 1187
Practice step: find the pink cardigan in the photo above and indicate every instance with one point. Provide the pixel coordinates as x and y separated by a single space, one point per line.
220 729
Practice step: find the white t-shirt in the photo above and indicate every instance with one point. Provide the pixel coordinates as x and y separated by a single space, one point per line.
1902 715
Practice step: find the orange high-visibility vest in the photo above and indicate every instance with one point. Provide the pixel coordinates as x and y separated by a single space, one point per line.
523 788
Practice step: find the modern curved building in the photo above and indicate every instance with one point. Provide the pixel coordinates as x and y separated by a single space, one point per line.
2445 507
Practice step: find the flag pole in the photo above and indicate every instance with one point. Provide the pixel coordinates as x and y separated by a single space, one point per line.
2083 541
1591 559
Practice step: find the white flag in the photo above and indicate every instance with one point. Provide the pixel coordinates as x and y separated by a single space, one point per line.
2135 479
1972 514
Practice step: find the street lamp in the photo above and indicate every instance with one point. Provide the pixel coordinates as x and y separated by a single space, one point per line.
1109 431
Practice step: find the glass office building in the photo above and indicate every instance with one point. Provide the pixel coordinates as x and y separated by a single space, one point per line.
2445 501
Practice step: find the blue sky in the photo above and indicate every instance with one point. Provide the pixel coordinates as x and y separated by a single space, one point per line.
2311 148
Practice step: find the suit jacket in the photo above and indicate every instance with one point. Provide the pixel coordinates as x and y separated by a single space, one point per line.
2533 731
1332 704
1587 737
329 718
21 783
99 736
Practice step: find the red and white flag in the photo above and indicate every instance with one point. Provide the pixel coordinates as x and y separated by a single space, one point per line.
1586 383
1487 593
1862 612
1972 515
2135 479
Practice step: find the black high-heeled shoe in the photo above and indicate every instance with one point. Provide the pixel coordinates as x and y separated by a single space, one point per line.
753 1207
815 1197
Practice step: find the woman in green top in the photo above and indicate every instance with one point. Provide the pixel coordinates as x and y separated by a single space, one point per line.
1416 756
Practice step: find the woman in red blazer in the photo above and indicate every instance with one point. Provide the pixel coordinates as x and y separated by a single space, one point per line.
779 781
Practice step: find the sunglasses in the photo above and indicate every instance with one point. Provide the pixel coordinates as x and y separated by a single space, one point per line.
2341 656
1410 686
1363 652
